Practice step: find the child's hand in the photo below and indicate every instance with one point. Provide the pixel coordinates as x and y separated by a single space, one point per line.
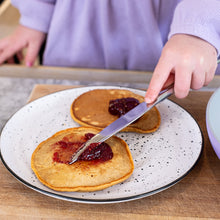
188 61
23 37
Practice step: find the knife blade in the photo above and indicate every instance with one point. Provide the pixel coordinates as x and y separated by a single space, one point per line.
122 122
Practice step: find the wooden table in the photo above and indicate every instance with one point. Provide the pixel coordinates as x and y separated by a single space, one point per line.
9 18
197 196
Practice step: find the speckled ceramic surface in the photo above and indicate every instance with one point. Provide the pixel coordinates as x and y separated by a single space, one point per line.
161 159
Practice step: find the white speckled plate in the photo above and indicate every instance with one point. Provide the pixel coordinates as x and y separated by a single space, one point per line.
161 159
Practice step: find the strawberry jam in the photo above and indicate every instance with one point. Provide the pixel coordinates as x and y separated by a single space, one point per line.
64 150
98 152
120 107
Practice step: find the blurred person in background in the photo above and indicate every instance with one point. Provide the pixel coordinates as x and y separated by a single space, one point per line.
179 41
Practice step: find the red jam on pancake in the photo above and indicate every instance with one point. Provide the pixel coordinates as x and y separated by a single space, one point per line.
99 167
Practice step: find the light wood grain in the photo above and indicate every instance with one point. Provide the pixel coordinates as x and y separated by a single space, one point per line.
136 79
197 196
9 18
42 90
77 74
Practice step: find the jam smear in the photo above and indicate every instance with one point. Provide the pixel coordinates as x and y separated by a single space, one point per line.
98 152
121 106
64 150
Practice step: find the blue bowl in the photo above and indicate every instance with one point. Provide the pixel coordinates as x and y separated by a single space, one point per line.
213 121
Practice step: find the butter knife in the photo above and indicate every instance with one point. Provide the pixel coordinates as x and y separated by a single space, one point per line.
123 122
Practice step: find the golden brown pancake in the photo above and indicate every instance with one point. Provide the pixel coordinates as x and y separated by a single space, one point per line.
50 163
91 109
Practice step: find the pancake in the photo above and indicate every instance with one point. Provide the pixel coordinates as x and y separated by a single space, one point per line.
50 162
91 109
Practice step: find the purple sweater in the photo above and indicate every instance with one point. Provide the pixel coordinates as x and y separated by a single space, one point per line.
117 34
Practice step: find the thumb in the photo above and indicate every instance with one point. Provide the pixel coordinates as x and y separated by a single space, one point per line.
32 53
